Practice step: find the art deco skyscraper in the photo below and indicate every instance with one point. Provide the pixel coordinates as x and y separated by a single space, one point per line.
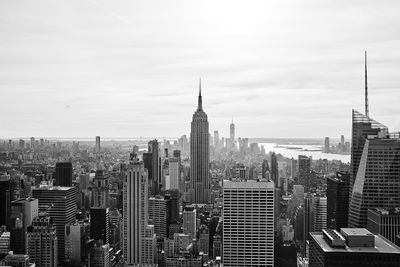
135 219
42 241
101 191
199 154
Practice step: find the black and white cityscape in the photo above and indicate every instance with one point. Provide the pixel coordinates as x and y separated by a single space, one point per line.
199 133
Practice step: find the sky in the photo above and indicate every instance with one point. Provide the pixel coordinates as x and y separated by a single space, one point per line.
123 68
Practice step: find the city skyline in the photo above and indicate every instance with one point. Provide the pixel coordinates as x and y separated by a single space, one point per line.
285 153
88 64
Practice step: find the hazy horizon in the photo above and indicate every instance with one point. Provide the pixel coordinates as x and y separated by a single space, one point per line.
291 69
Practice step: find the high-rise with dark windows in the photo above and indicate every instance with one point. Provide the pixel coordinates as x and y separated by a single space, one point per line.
63 174
274 169
154 173
5 199
337 194
304 171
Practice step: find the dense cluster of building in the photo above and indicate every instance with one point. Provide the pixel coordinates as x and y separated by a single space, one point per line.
211 202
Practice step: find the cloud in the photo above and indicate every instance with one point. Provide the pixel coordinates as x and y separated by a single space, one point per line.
282 68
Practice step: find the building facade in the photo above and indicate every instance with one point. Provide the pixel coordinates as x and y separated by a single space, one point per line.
248 223
337 194
385 222
377 183
135 212
42 241
351 247
60 203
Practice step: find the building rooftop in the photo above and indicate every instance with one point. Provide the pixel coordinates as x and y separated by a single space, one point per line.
53 187
22 200
239 183
382 211
355 231
382 245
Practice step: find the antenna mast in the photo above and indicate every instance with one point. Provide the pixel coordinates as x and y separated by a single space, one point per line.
366 88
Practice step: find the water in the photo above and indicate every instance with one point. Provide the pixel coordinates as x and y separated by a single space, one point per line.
314 151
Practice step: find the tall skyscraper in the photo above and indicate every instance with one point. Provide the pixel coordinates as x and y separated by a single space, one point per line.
326 147
135 215
23 211
337 194
377 183
189 222
101 190
5 199
342 142
174 173
63 174
100 224
158 215
232 133
76 243
319 207
97 147
362 127
216 139
172 197
308 219
248 223
304 171
154 174
264 168
42 241
199 154
274 169
61 206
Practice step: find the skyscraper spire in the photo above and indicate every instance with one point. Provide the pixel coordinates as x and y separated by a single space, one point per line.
366 88
200 104
199 86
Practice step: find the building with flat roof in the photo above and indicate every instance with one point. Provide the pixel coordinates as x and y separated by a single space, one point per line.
248 223
158 215
60 204
304 168
337 194
63 175
17 260
385 222
23 211
351 247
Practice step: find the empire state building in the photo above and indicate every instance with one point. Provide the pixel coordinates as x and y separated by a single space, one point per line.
199 154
